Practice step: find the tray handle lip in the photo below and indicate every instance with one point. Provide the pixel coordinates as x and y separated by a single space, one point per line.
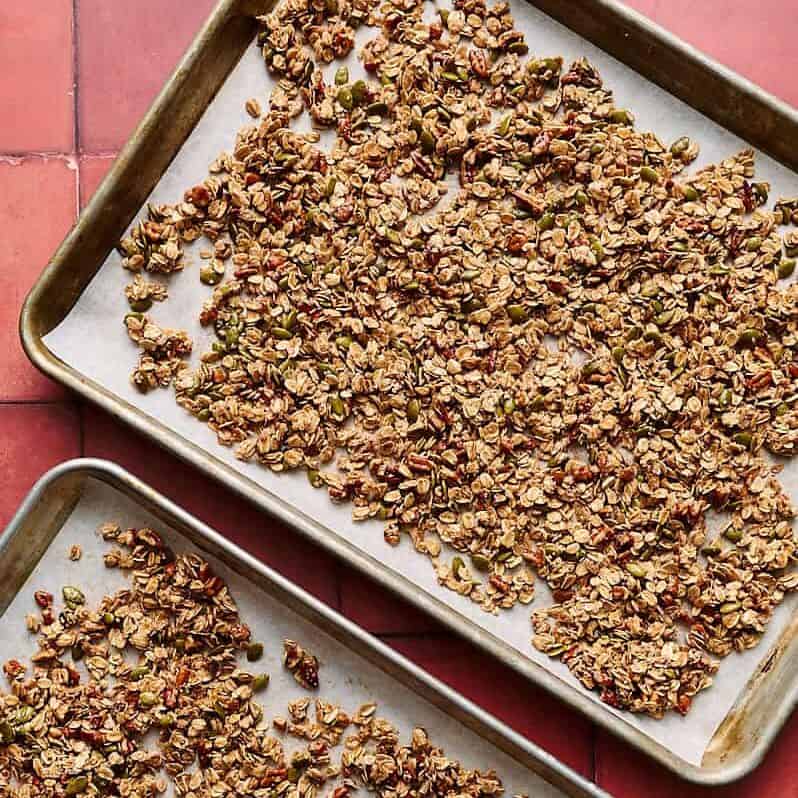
120 479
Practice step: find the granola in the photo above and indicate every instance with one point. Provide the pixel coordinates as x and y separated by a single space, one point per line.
167 702
562 370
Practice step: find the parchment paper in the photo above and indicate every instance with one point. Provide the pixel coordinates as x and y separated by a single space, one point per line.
92 340
345 678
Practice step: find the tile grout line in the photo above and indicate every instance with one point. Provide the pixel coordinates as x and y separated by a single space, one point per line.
76 124
78 190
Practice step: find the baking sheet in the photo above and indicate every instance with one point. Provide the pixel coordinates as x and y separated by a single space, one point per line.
345 678
92 339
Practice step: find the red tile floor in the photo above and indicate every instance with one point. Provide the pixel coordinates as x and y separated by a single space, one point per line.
75 76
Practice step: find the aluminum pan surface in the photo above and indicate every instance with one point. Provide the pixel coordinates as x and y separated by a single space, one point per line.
346 677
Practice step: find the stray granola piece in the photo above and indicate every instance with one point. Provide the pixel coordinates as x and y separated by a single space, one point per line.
142 293
253 108
302 665
75 552
163 355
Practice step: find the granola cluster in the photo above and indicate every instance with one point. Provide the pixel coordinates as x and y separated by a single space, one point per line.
166 703
566 368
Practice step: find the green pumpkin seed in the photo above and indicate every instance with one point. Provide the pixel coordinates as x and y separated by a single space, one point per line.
635 569
377 109
341 76
413 410
7 733
618 353
76 786
689 193
343 341
546 222
620 116
480 562
753 243
517 313
426 141
457 567
649 175
504 126
732 534
344 98
254 652
750 337
260 682
472 305
729 606
743 439
785 268
680 146
282 334
663 319
337 406
289 320
140 305
148 700
209 276
166 721
314 477
72 596
359 92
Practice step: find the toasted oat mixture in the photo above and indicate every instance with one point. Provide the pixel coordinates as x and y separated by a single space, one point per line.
166 703
564 368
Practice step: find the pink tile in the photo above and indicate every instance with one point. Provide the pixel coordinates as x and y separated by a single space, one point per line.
626 773
511 698
758 41
36 85
126 51
371 606
647 7
37 207
93 168
33 438
239 521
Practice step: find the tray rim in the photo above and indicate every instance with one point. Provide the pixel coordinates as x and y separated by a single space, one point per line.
207 463
173 514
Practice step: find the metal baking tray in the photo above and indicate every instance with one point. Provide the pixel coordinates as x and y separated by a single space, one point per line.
750 727
63 508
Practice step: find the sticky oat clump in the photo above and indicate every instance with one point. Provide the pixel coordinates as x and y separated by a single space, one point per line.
563 367
165 702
